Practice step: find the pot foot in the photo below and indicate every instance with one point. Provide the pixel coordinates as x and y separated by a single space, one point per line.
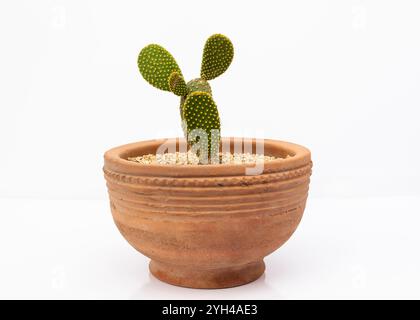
195 277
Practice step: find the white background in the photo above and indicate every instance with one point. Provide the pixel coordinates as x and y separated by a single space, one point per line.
340 77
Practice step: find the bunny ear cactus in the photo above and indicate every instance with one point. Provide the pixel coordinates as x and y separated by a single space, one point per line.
199 114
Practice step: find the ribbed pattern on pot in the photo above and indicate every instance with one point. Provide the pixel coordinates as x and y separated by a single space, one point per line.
210 221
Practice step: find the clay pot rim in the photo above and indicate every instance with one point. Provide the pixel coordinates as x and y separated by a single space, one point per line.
115 160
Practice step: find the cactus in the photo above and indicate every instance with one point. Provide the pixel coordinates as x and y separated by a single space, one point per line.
198 111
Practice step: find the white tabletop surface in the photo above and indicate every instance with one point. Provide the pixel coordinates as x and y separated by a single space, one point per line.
344 248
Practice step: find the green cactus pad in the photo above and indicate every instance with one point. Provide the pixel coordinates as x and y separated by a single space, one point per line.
198 85
217 56
193 86
200 112
156 65
177 84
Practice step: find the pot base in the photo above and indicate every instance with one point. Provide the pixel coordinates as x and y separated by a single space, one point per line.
207 278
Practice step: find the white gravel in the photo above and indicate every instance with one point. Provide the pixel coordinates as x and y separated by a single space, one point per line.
183 158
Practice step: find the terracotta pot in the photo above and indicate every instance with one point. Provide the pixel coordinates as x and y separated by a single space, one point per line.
207 226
